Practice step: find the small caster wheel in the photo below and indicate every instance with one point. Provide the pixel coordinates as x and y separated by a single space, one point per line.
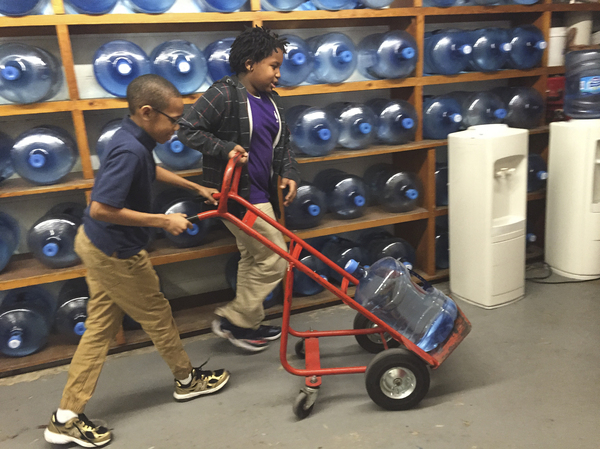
397 379
372 342
299 348
305 401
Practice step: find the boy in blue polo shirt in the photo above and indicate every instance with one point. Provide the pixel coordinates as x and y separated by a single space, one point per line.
119 274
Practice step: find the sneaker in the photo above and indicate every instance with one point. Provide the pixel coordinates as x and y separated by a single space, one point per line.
248 339
78 430
269 333
203 382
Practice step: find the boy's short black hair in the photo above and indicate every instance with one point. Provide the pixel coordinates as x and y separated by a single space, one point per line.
150 90
254 44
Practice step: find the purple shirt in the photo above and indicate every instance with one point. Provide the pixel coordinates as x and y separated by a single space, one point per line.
264 123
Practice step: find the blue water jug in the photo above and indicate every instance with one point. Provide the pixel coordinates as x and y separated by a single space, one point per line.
9 238
306 6
177 156
441 185
387 55
491 47
25 320
537 172
92 6
439 3
6 169
182 63
307 209
231 272
480 108
378 243
280 5
51 239
181 201
220 5
356 123
150 6
335 58
298 61
335 5
396 120
345 194
28 74
117 63
71 313
106 133
303 284
528 46
313 131
21 7
217 57
447 52
425 317
521 2
441 116
524 106
394 190
582 84
376 4
340 251
44 155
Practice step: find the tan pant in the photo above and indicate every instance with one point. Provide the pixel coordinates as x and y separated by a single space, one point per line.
259 272
119 286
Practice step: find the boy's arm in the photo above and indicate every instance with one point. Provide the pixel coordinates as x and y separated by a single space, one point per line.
168 177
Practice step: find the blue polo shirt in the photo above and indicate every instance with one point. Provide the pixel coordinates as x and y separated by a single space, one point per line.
124 181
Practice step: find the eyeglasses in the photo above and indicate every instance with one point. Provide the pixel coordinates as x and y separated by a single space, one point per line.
173 120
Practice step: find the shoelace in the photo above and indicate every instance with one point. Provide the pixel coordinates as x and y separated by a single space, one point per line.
90 425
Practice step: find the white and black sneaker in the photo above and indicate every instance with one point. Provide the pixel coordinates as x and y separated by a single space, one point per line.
248 339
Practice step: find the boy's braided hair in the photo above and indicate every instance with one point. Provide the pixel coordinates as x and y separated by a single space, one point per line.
254 44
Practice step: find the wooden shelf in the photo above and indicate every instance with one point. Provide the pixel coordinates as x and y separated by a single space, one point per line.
36 108
480 76
539 195
21 187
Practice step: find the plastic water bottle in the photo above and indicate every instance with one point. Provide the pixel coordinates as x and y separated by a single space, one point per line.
313 131
528 46
182 63
6 169
92 6
395 190
340 251
378 243
44 155
28 74
177 156
231 272
439 3
480 108
335 5
521 2
376 4
491 47
537 172
280 5
183 202
524 106
582 86
441 116
220 5
25 320
345 194
51 239
447 52
9 238
307 209
71 312
150 6
117 63
103 143
441 185
306 6
387 55
335 58
298 61
21 7
357 124
425 317
217 57
396 120
303 284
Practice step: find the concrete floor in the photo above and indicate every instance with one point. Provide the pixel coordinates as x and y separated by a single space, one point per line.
528 376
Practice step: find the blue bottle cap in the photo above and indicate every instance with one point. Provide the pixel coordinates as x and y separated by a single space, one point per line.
408 53
365 128
50 249
456 118
324 277
500 113
194 231
351 266
15 340
346 56
506 47
466 49
176 146
359 200
541 45
79 328
124 66
11 73
407 123
412 194
298 58
324 134
314 210
530 237
183 64
542 175
37 158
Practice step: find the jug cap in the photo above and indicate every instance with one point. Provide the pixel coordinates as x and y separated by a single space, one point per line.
531 237
351 266
298 58
408 53
466 49
123 66
506 47
194 231
500 113
412 194
541 45
314 210
542 175
11 73
15 340
79 328
50 249
37 158
359 200
183 64
365 128
324 134
176 146
408 123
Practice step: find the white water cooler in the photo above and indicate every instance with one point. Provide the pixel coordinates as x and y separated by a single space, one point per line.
487 202
572 245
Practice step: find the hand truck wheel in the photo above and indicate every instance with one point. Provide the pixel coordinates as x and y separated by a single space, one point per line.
299 348
397 379
305 402
372 342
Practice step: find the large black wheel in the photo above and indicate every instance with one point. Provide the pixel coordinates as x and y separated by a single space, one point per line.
397 379
300 407
372 342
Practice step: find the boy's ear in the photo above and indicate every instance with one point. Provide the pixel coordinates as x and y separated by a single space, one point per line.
249 64
145 112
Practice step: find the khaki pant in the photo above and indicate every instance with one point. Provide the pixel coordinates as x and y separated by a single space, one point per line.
119 286
259 272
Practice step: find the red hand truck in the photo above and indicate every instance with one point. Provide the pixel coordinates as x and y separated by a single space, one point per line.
398 376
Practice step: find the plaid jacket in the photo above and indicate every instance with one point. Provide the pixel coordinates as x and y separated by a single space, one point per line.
219 121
